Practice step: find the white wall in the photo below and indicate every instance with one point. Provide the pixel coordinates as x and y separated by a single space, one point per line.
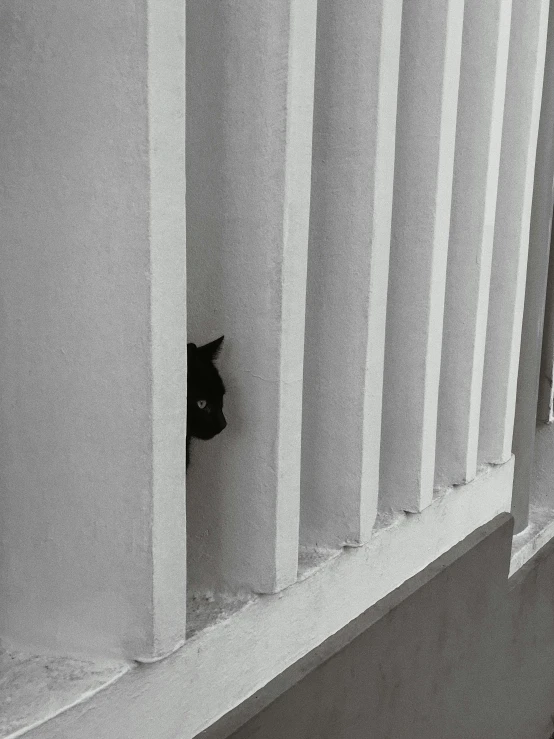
469 654
528 37
430 54
93 289
250 76
93 323
485 45
90 389
537 312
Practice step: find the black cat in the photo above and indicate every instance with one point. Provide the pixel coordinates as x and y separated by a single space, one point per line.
205 391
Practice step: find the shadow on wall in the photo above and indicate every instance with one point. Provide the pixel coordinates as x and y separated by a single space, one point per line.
205 290
470 654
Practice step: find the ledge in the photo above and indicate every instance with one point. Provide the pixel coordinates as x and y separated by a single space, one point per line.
34 690
222 665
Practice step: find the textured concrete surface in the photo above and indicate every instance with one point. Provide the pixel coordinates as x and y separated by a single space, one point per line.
250 76
92 397
468 656
430 50
485 43
42 686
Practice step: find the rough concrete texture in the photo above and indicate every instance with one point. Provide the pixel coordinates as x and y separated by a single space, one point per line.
74 315
430 50
528 35
356 79
250 73
88 429
485 43
535 311
468 656
42 686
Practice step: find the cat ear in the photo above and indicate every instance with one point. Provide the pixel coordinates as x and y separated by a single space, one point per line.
212 349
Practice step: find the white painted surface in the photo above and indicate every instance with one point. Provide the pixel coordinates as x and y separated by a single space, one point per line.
525 420
93 302
466 656
545 405
352 176
250 100
222 666
425 138
485 43
511 236
33 688
537 534
168 303
90 391
540 519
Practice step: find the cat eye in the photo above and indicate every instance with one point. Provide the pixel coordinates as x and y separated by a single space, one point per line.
201 404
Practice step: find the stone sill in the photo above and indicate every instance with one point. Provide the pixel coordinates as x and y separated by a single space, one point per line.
227 658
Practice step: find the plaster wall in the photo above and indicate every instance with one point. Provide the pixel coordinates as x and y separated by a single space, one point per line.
470 655
79 324
250 77
485 45
430 52
355 96
528 36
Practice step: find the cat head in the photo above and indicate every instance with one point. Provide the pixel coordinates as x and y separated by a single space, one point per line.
205 391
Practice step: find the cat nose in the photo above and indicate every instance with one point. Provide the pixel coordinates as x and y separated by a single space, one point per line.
222 421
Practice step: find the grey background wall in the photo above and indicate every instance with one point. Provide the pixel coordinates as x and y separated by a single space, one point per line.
470 655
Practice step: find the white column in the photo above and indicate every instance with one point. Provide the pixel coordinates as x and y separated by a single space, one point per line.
525 421
168 299
250 87
352 175
427 104
511 235
93 366
485 44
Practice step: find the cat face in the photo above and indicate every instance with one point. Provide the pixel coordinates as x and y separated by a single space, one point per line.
205 391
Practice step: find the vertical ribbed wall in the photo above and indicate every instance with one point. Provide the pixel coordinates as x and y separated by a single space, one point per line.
356 80
368 273
485 43
361 194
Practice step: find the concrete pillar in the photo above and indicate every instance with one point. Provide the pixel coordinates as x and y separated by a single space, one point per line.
250 85
540 232
427 104
92 327
511 234
358 45
485 44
